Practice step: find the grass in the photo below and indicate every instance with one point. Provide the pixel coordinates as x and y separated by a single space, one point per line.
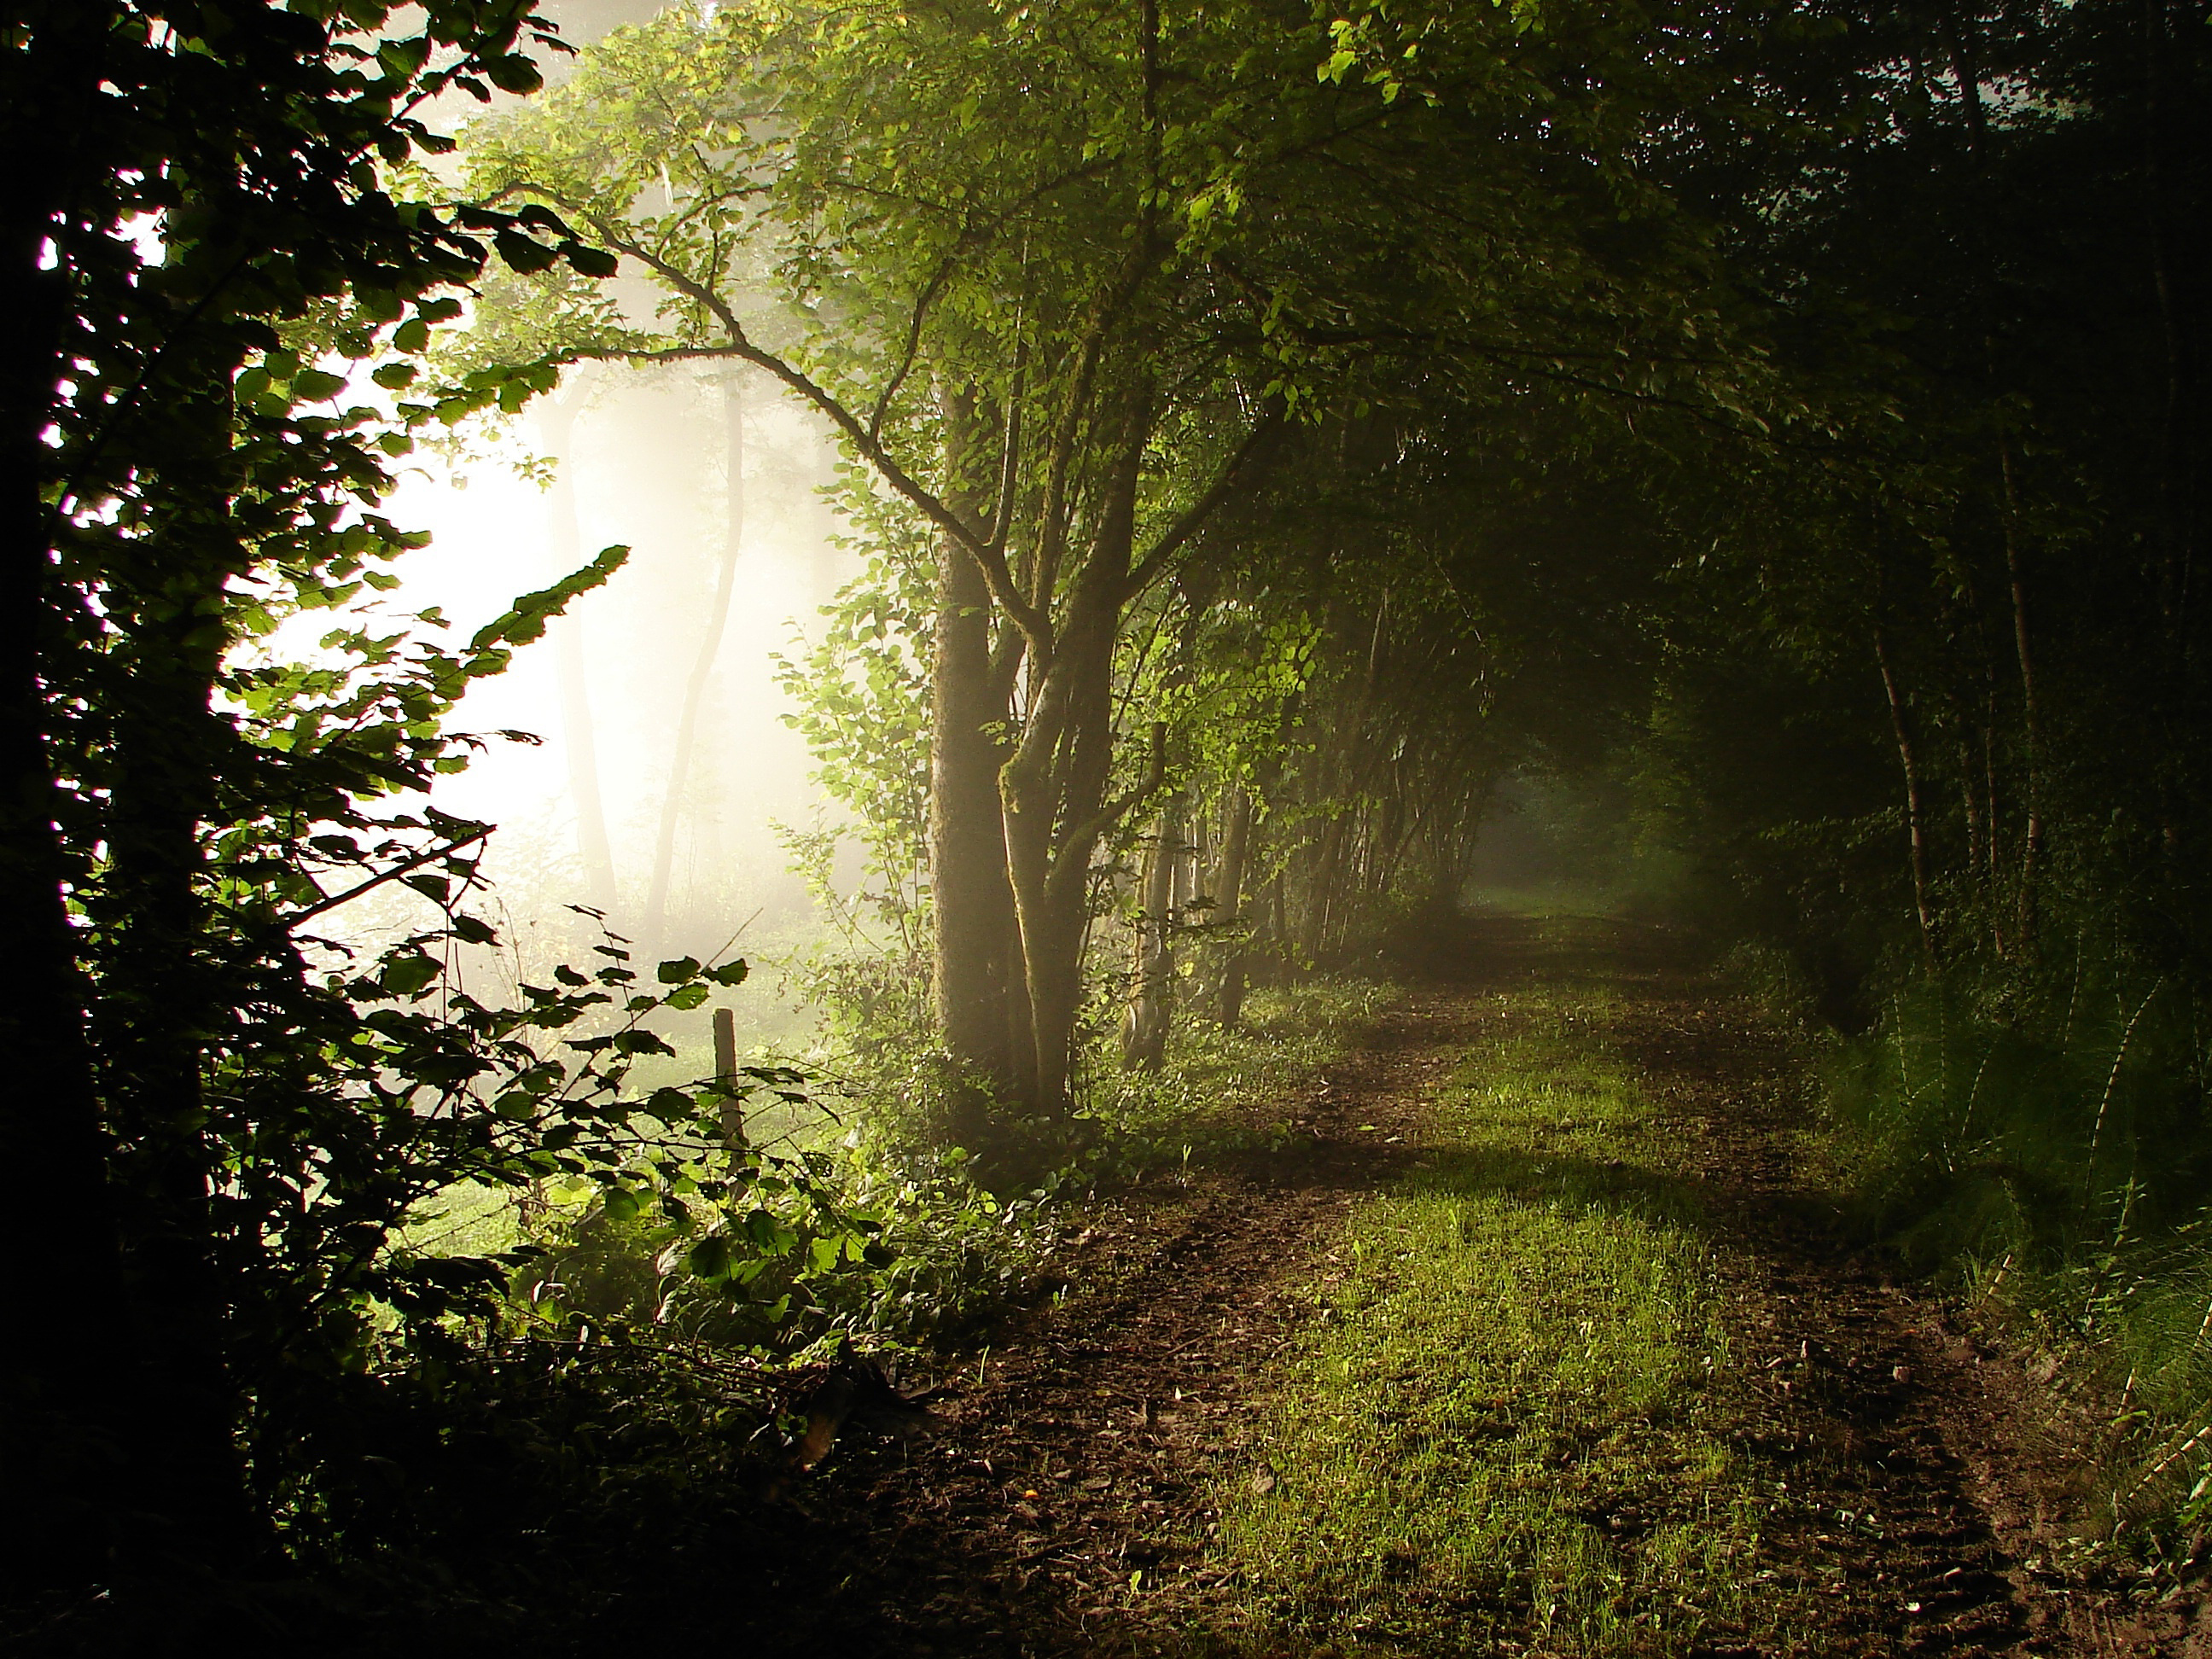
1224 1088
2052 1167
1496 1435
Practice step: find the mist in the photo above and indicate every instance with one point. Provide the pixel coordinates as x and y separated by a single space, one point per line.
640 458
1448 770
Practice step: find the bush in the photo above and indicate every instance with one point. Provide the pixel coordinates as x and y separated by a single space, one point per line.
2045 1143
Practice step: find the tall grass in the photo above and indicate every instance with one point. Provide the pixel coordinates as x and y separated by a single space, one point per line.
2049 1144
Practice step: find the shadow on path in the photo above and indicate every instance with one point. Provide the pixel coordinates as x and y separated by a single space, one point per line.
1065 1507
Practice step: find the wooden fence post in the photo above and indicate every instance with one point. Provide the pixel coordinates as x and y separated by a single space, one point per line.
726 1073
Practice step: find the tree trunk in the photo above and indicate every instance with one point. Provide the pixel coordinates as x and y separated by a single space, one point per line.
2178 466
2030 851
1320 901
154 1004
978 984
1228 906
556 427
63 1394
1053 788
1969 806
1145 1036
1051 872
160 991
702 665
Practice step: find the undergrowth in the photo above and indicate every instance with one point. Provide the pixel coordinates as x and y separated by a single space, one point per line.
1223 1087
945 1255
640 1377
2042 1142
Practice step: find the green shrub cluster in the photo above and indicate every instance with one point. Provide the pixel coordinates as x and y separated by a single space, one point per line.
2044 1142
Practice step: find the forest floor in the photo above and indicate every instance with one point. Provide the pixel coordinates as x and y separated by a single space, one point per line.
1531 1330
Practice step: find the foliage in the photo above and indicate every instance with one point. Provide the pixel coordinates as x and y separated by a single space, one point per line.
1256 417
2053 1162
860 697
243 1111
1223 1088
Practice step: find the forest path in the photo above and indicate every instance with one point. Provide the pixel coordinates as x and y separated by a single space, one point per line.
1214 1446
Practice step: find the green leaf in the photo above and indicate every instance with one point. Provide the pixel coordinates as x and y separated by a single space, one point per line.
513 73
710 1257
591 261
522 253
404 975
525 620
620 1204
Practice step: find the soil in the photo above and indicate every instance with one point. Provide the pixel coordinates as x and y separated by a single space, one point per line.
1063 1504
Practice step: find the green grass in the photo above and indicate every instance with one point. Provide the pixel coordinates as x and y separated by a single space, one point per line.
1223 1088
1496 1432
465 1219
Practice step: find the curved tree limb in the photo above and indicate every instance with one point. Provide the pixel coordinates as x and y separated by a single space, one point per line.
1254 454
739 345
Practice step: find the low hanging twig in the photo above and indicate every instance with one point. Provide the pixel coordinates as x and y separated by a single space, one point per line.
392 874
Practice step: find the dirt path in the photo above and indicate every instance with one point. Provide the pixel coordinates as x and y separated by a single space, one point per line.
1067 1507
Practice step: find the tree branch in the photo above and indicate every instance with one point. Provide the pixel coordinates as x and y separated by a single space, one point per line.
392 874
1113 812
869 447
1257 450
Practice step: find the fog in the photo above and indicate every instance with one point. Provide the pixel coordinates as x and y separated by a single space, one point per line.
638 457
641 457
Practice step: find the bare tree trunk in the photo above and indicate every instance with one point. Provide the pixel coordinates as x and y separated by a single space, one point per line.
159 995
556 425
1321 901
68 1403
1145 1033
1229 905
1992 874
1051 873
1970 806
1054 790
2178 488
1899 724
702 665
977 986
2031 852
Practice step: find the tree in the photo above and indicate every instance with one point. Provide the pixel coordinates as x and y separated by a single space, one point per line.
1062 281
222 1129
